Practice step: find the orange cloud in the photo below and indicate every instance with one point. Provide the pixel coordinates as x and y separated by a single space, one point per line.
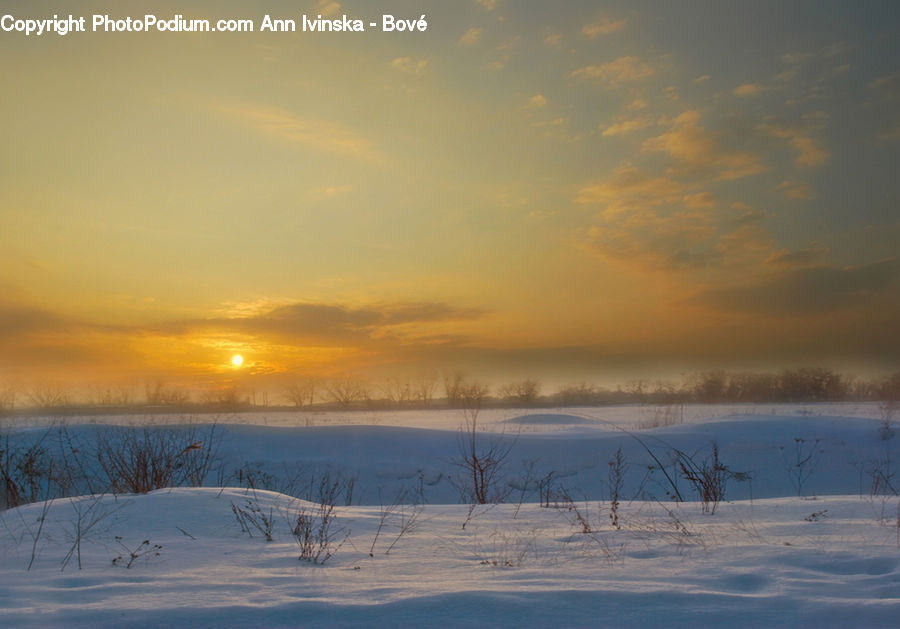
603 26
624 127
470 37
747 89
693 148
622 70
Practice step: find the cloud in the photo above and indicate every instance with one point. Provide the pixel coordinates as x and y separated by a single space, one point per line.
317 134
747 89
18 320
327 323
410 65
625 127
652 223
502 54
470 37
700 79
694 148
630 190
603 26
538 100
553 39
327 8
797 190
808 152
636 105
622 70
813 290
699 200
488 5
799 257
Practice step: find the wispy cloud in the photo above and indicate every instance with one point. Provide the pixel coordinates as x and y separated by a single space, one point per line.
538 101
410 65
317 134
471 37
626 69
327 322
327 8
747 89
603 26
624 127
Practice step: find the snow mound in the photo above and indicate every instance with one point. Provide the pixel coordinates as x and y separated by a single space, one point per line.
778 562
549 419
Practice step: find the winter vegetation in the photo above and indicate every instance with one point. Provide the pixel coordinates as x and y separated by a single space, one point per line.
755 515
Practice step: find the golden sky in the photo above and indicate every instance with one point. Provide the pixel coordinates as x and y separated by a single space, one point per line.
575 190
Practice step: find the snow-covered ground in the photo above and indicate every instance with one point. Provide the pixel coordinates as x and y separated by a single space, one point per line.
800 539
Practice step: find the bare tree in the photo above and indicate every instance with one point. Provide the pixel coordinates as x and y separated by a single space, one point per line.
158 393
229 397
454 381
525 392
399 390
481 459
7 397
424 386
105 395
577 395
345 391
302 391
47 396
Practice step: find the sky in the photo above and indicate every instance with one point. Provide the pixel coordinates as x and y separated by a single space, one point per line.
567 191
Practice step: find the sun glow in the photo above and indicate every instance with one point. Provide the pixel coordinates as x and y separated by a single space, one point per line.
237 360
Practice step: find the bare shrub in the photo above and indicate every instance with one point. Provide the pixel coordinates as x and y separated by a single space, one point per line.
666 415
314 528
801 461
576 515
90 515
402 514
507 549
144 549
882 473
142 460
251 517
708 477
480 459
616 477
29 472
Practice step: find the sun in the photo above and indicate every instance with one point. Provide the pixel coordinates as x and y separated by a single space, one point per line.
237 360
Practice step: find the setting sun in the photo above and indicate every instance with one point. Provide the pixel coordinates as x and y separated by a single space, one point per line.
237 360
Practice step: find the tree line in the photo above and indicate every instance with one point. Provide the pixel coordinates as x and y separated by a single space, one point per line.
456 389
